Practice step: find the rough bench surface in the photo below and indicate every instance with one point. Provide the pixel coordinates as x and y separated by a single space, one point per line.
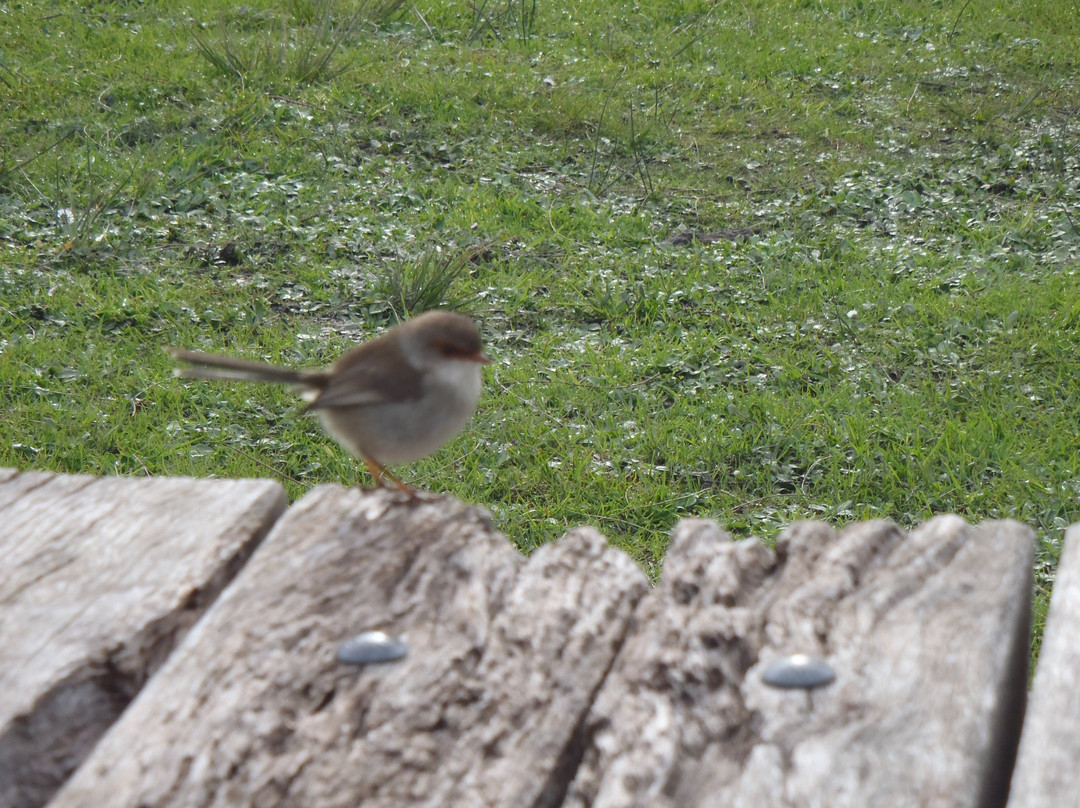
99 579
927 633
564 679
505 655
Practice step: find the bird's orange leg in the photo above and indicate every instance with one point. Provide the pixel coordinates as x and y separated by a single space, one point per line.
381 474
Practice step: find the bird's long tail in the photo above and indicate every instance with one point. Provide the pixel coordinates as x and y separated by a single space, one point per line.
213 366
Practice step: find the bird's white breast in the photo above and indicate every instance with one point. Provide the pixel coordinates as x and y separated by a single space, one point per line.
404 431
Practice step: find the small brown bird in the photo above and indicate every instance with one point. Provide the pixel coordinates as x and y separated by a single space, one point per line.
392 400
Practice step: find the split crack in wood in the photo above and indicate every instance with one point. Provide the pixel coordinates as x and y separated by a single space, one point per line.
78 642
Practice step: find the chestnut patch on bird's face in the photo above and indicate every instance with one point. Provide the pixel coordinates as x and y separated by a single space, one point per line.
454 350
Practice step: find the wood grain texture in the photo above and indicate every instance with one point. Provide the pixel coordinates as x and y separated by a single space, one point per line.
927 633
100 577
505 656
1048 765
560 679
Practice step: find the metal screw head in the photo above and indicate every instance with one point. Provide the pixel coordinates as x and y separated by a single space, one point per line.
371 646
799 671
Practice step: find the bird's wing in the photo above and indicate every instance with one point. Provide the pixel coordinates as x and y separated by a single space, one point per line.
376 372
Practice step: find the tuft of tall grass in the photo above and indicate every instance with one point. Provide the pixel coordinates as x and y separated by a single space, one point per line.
428 282
490 19
302 48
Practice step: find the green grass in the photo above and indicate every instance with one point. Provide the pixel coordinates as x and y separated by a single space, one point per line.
896 334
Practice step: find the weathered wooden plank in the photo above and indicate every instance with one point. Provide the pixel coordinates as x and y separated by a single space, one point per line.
1048 764
505 655
927 634
100 577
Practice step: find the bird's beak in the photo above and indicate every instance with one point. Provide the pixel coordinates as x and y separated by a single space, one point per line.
481 358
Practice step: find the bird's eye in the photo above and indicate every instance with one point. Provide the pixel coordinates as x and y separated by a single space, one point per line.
450 350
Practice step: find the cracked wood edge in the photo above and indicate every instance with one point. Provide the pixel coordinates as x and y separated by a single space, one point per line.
927 632
101 577
1046 767
505 656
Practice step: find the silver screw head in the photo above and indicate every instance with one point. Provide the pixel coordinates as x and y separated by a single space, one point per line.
799 671
371 646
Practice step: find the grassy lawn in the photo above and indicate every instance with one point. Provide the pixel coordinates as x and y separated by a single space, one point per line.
757 261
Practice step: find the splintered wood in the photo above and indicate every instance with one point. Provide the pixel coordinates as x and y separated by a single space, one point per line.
926 632
504 658
557 680
99 580
562 679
